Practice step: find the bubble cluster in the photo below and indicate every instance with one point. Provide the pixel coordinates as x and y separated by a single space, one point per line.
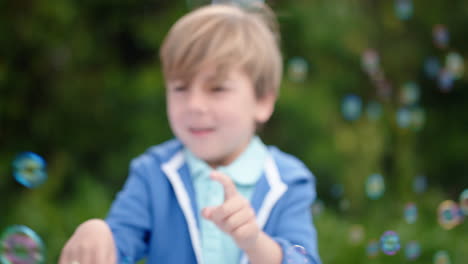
404 9
351 107
411 213
375 186
442 257
390 243
21 245
29 169
297 254
440 36
449 214
464 202
297 69
373 248
412 250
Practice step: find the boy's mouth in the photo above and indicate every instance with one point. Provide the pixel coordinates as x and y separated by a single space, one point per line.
201 131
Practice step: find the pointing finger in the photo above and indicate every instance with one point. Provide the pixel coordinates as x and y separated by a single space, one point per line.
228 186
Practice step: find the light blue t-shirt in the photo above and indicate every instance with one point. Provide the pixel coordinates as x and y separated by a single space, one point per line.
218 247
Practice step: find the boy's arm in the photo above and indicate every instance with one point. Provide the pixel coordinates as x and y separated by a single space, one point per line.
294 230
129 216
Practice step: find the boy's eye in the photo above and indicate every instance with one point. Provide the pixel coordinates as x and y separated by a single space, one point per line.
179 88
218 89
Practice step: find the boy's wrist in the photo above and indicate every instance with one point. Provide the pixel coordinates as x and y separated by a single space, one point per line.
254 245
264 250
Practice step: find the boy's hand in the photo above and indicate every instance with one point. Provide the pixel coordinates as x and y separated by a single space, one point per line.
234 216
92 243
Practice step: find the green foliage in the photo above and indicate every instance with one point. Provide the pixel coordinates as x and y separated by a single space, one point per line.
80 84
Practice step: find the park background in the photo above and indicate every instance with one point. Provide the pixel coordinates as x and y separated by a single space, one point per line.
81 85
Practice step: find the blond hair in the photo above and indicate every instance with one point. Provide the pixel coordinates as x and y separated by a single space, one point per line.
225 36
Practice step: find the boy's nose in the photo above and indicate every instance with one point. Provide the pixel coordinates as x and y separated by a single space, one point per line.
197 102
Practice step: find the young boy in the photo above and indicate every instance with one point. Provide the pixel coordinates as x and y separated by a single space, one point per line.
216 194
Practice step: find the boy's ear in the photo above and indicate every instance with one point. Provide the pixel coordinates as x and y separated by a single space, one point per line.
265 107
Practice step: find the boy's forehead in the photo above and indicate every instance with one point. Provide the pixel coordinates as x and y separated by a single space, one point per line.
211 73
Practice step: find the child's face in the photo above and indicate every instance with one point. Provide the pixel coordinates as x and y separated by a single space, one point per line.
216 120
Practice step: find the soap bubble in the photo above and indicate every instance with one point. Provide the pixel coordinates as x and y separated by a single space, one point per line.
411 213
412 250
440 36
390 243
464 201
351 107
442 257
21 245
29 169
449 214
455 65
404 9
297 69
373 248
375 186
296 254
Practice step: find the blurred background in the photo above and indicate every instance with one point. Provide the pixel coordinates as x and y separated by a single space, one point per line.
374 100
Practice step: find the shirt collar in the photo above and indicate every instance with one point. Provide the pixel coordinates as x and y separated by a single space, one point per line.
245 170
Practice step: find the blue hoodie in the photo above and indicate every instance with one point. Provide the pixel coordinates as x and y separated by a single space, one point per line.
154 216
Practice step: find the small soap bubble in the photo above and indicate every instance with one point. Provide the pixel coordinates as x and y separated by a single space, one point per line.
403 117
411 213
356 234
449 214
418 118
297 69
404 9
440 36
410 93
373 248
374 110
390 243
455 65
420 184
412 250
375 186
344 204
21 245
351 107
29 169
445 80
317 207
464 202
337 190
432 67
297 254
442 257
370 62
